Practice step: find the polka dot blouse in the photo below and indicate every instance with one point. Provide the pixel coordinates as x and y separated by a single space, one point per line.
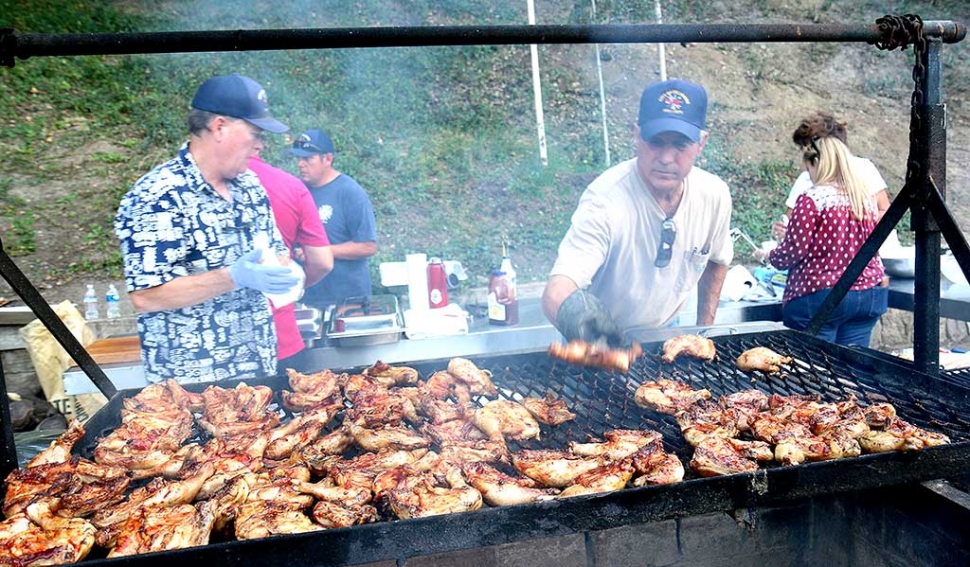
822 239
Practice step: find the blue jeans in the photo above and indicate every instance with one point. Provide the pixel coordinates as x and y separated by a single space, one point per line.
850 323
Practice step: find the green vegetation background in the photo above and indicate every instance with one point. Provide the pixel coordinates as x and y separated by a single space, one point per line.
442 138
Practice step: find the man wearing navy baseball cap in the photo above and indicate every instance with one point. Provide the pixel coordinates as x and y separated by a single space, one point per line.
193 232
348 216
647 232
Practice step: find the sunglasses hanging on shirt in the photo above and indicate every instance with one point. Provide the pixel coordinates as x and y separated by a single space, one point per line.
668 230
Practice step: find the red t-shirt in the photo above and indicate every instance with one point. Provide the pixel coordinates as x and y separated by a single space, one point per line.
299 223
822 238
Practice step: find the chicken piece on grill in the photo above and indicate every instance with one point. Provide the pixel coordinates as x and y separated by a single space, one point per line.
454 431
582 353
901 436
361 470
332 515
157 493
549 410
165 396
37 537
880 415
164 528
619 444
327 490
80 486
774 429
334 443
668 396
389 479
354 383
230 411
552 468
478 381
501 419
59 450
484 451
311 390
227 500
824 447
442 385
392 375
395 437
440 411
500 489
656 466
85 496
229 456
430 494
694 346
376 406
748 404
607 478
763 359
706 418
721 455
259 518
299 432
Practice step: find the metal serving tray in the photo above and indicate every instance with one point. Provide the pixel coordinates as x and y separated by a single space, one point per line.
365 321
603 401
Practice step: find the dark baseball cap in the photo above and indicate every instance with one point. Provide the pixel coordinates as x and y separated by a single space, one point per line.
312 142
672 106
238 97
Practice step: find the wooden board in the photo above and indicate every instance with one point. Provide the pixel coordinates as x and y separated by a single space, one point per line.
116 349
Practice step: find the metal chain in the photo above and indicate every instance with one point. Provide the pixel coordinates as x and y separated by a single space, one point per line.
900 31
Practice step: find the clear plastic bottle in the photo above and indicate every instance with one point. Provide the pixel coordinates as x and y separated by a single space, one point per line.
509 271
112 307
91 304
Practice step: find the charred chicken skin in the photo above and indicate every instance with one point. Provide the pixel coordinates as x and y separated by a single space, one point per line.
763 359
549 410
656 466
582 353
38 537
311 390
694 346
479 381
620 444
557 469
721 455
607 478
668 396
501 419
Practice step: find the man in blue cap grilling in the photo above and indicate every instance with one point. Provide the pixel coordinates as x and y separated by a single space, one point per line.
647 232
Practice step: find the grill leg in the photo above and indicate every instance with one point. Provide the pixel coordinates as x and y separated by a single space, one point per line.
8 450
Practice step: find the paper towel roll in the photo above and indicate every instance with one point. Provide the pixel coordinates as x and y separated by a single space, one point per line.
418 281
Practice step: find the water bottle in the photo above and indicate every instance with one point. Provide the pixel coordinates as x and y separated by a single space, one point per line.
112 309
437 284
91 303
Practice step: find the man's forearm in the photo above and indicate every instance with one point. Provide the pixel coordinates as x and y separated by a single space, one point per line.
708 293
183 291
353 250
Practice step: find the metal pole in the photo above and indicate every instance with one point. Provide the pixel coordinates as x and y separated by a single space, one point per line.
23 46
662 53
926 290
8 449
537 89
599 74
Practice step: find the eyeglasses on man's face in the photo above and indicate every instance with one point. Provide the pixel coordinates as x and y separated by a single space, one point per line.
665 249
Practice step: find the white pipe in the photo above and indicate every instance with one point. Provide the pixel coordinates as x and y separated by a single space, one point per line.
599 72
537 89
660 46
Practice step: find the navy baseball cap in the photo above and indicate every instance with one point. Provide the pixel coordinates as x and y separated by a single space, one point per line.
672 106
238 97
312 142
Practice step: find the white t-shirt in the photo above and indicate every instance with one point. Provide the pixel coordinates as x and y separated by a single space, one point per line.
612 242
864 168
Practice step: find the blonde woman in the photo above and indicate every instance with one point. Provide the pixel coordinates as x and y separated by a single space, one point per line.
828 226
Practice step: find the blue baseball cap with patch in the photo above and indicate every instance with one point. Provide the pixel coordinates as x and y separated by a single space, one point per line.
673 106
312 142
239 97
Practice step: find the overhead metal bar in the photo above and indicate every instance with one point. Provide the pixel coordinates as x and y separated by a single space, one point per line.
23 46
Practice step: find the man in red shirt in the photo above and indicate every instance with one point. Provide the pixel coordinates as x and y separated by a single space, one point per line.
299 223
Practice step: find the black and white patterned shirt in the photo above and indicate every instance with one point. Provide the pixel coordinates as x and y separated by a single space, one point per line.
172 223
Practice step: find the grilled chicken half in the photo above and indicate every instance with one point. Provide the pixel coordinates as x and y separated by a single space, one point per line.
668 396
763 359
500 489
582 353
549 410
694 346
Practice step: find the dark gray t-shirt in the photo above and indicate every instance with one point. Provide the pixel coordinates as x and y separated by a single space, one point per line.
348 216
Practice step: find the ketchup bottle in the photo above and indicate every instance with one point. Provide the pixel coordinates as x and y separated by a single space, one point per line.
437 284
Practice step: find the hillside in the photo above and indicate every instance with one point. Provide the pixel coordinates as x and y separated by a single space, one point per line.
443 139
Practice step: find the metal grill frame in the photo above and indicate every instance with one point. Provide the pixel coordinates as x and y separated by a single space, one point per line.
820 367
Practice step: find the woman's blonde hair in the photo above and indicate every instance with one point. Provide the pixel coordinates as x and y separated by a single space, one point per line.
822 139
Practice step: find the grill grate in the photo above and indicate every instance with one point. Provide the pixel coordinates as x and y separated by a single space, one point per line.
604 401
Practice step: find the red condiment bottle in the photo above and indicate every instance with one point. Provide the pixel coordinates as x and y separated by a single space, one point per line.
437 284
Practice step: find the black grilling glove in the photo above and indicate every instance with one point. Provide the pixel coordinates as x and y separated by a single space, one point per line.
582 316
